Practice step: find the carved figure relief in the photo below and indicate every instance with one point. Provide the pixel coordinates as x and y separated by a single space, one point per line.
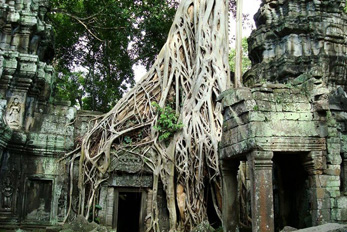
7 194
14 113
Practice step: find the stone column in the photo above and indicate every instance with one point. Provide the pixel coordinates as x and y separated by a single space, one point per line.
315 163
261 190
230 207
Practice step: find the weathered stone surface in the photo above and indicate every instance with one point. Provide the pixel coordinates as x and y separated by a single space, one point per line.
295 37
329 227
81 224
288 229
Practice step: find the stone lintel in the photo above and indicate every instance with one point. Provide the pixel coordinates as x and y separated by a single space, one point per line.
131 181
275 144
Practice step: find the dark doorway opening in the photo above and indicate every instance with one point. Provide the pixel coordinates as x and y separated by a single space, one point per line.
129 208
290 191
38 200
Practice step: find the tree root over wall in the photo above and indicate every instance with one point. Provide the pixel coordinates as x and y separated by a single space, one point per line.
189 73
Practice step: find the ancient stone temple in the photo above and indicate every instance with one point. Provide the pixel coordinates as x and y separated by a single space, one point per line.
283 154
33 132
287 128
36 132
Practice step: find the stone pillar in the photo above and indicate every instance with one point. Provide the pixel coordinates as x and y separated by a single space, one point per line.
315 163
261 190
230 208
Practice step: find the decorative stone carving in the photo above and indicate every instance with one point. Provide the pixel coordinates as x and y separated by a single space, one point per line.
129 163
7 193
294 36
15 112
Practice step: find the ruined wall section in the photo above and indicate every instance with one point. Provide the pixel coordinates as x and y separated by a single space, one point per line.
295 37
34 132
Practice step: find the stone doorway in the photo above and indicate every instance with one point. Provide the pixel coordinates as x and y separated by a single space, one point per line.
38 200
129 210
290 191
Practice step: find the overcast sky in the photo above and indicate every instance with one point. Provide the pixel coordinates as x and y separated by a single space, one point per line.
249 7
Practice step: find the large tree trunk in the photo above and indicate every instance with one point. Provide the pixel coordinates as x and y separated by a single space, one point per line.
190 72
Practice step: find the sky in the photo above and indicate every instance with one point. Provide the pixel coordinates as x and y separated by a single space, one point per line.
249 7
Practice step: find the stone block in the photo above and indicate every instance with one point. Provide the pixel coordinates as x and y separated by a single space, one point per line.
263 96
234 96
279 107
320 203
341 202
27 65
265 106
294 128
334 191
339 215
334 157
320 193
322 181
277 116
333 170
296 107
292 116
256 116
333 132
260 129
28 19
243 107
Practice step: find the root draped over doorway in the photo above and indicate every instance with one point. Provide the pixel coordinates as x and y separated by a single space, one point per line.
190 72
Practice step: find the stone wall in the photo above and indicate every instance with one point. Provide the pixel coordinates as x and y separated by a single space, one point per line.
291 119
300 122
295 37
36 131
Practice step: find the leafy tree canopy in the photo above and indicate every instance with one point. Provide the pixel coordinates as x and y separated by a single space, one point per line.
98 41
246 63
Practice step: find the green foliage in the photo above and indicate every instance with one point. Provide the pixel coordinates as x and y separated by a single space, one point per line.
246 63
97 39
127 140
167 123
155 19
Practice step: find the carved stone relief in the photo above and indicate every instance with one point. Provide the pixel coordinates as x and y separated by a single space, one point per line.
127 163
7 193
15 112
